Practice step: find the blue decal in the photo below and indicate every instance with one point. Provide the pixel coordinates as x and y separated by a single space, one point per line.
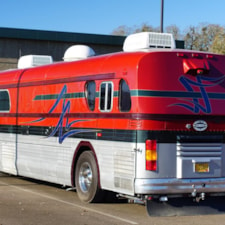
202 83
65 110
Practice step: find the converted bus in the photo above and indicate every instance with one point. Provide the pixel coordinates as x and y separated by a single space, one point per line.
147 123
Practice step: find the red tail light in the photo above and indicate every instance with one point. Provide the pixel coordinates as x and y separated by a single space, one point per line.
151 155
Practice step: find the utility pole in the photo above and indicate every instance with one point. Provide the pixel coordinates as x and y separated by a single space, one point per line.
161 24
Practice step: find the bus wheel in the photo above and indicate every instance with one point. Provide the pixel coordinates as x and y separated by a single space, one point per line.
86 178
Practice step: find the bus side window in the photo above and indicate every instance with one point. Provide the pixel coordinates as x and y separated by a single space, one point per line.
90 93
124 97
4 101
106 96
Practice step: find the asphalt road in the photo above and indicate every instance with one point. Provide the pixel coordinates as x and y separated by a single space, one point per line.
29 202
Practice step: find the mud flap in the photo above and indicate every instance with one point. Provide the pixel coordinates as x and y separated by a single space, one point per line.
186 207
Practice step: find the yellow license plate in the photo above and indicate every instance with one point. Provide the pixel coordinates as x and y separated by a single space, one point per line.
202 167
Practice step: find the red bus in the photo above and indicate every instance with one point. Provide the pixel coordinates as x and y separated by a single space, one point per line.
147 123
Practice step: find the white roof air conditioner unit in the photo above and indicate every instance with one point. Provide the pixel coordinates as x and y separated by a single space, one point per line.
78 52
28 61
148 40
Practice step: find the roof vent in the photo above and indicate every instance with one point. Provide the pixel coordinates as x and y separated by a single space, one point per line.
148 40
78 52
33 60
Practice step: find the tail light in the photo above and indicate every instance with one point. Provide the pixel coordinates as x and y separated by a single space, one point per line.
151 155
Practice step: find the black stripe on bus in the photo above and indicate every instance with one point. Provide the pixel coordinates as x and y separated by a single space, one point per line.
131 116
133 136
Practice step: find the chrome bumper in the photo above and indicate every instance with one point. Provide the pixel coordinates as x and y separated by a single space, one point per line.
179 186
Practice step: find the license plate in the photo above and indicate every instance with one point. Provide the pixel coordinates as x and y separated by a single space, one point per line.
201 167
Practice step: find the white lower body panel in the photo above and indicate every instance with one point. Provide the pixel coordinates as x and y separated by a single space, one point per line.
8 153
45 159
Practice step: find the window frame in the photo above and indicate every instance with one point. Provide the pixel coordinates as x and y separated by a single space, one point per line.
106 96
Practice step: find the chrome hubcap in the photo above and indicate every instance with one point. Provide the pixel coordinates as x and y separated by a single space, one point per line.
85 177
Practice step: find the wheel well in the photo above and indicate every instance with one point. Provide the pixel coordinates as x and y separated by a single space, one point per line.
82 147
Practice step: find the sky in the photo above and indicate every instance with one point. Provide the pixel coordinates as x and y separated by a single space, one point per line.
102 17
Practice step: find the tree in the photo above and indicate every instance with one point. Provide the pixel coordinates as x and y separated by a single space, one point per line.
175 31
214 31
204 37
201 37
218 45
124 30
146 28
191 38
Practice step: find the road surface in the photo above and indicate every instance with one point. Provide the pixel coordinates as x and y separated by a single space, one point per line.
29 202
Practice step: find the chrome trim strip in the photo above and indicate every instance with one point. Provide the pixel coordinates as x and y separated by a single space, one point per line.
179 186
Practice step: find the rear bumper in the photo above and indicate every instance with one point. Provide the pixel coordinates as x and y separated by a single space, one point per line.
179 186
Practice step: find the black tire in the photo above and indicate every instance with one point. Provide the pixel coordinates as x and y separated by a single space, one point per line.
86 178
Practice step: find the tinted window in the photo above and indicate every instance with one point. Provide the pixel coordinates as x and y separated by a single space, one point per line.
4 101
109 96
102 96
124 97
90 91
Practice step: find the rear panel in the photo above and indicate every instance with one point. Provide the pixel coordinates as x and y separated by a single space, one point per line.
181 97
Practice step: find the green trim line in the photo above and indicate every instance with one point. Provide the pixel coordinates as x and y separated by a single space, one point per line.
55 96
116 94
68 96
171 94
138 93
175 94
